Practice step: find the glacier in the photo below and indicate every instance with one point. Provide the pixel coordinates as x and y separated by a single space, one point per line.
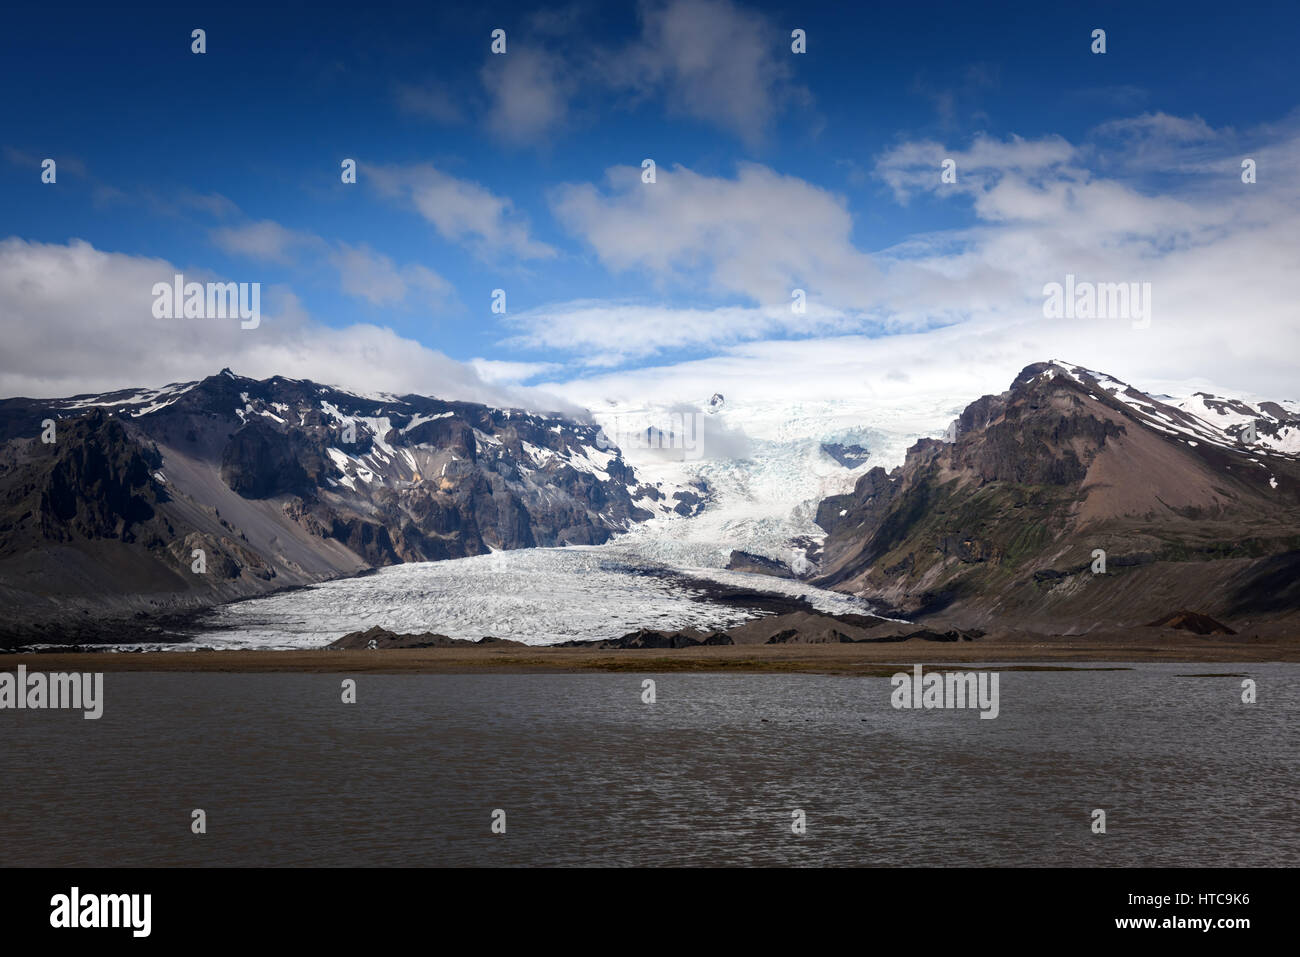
764 478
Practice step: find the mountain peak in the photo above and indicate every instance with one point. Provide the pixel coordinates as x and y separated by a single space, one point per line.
1081 375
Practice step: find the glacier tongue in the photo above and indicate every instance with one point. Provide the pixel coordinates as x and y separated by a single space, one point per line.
534 595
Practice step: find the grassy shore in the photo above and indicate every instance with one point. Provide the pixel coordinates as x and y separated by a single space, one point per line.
850 659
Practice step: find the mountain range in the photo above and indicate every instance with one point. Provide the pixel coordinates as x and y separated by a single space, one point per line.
1068 503
107 501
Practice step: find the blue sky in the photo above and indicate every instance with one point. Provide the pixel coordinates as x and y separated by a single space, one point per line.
775 171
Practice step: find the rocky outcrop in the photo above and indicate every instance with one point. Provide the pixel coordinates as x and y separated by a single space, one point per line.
96 483
260 461
742 561
381 639
849 456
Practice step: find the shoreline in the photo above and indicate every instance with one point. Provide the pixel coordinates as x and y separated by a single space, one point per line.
824 658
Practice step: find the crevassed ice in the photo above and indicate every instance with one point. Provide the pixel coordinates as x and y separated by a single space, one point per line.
538 596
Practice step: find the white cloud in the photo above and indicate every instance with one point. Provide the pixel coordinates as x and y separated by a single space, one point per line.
710 60
706 60
79 319
605 334
363 272
916 165
530 90
502 371
758 236
265 240
460 210
1161 127
1207 247
377 279
1218 255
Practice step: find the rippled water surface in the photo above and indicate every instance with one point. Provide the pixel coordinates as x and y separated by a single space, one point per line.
708 774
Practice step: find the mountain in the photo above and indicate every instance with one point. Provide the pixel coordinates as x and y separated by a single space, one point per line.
999 525
1195 501
282 482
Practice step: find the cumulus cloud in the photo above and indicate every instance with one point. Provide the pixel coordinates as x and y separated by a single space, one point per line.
1211 248
713 61
377 279
505 371
79 319
530 90
915 166
363 272
759 235
460 210
265 241
1165 144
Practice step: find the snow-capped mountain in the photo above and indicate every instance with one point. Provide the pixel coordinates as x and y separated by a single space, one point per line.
1222 420
1189 502
283 482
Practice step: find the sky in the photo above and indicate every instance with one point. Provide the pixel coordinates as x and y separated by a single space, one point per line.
774 171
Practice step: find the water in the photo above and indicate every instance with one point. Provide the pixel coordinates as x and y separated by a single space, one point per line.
589 775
